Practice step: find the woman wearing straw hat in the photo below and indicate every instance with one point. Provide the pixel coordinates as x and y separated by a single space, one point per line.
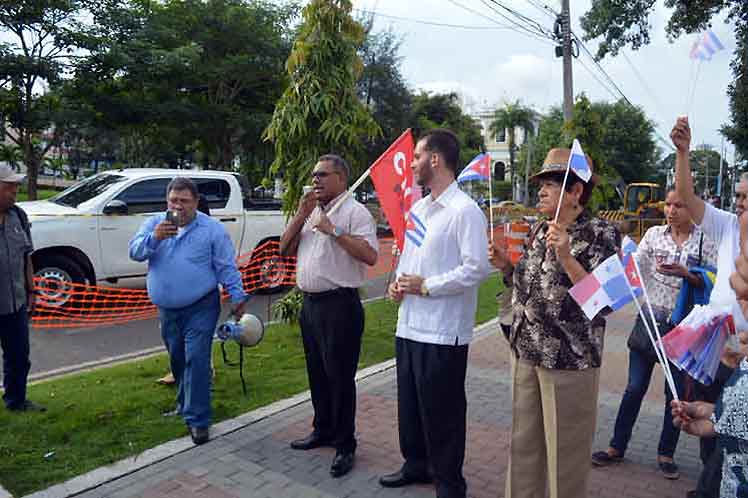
556 350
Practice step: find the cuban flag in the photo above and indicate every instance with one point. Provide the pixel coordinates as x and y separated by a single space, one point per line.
415 230
604 286
478 169
706 46
578 162
628 248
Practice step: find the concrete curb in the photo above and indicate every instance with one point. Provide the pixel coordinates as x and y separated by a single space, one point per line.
110 361
103 475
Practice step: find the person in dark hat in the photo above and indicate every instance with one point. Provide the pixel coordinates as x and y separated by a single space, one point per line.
556 349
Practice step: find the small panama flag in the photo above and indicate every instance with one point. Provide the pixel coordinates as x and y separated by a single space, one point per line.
578 162
604 286
477 169
706 46
415 230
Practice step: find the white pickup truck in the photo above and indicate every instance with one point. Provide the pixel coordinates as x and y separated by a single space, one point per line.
81 235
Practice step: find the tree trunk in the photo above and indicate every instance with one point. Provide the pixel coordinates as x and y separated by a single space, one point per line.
32 166
511 159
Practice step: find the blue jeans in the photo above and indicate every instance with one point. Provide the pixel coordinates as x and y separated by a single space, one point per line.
14 339
188 336
640 373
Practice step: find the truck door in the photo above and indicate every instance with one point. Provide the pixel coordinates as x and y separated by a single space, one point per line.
217 192
144 199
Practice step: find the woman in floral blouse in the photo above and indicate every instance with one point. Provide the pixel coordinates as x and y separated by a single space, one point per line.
557 350
728 421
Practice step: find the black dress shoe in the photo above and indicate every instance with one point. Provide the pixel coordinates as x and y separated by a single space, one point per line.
27 406
200 435
310 442
342 464
400 479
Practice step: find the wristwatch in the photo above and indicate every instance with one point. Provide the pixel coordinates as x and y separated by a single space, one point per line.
337 231
424 289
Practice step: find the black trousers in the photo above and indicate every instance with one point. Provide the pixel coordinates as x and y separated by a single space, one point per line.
332 324
432 412
14 339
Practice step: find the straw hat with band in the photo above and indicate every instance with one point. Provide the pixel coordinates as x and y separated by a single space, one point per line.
555 164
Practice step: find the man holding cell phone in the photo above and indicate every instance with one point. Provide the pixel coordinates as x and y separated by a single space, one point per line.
188 255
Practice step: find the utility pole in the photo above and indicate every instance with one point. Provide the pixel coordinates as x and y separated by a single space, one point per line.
566 46
706 175
529 139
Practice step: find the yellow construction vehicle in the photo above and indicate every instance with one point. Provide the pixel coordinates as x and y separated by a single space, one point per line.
643 207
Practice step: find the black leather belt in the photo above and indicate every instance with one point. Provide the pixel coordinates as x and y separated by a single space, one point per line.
339 291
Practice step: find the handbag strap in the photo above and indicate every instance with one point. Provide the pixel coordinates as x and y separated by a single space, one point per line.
701 245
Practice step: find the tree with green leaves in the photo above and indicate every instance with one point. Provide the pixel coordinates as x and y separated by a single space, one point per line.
618 137
382 88
443 111
705 165
628 142
186 81
320 112
38 37
619 24
12 155
510 117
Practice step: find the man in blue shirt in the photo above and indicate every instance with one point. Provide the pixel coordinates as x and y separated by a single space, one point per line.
187 258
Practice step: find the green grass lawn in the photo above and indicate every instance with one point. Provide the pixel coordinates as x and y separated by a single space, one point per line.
99 417
40 194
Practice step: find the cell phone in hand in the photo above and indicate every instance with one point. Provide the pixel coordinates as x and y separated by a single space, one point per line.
172 217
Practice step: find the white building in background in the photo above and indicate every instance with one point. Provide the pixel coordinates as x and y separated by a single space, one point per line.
497 146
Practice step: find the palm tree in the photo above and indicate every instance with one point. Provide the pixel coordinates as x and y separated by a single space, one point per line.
510 117
11 154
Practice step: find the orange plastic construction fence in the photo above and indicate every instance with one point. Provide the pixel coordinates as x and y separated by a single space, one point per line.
88 306
512 237
84 306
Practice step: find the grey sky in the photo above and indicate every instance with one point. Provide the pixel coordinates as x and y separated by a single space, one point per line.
491 66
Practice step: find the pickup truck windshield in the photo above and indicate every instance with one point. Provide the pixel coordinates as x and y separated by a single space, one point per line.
87 189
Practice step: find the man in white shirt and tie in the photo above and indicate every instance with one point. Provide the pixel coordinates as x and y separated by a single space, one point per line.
444 260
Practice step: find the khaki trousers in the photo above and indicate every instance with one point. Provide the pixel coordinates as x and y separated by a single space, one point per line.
553 426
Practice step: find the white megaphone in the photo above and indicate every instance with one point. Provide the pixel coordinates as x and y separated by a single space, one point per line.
247 331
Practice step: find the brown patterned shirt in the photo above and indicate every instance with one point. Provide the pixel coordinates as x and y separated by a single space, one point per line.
549 328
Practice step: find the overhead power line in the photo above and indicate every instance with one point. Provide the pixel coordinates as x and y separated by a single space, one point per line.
524 20
518 28
544 8
430 23
615 86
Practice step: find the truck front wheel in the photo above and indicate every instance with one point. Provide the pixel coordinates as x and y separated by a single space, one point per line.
58 274
271 266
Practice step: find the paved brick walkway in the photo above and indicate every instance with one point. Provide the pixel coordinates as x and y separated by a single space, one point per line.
256 461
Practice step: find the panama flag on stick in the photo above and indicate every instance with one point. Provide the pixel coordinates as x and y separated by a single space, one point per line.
478 169
706 46
578 164
604 286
